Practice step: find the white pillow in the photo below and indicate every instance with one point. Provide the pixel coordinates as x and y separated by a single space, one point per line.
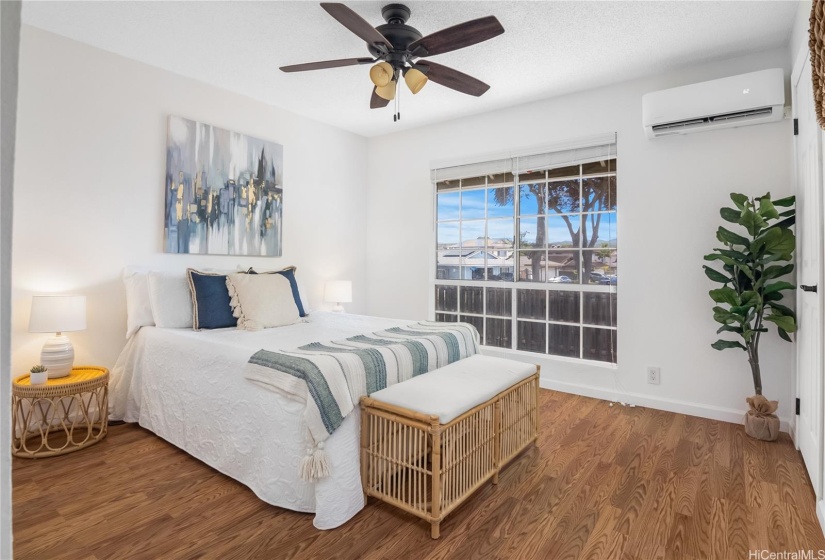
138 306
260 301
171 300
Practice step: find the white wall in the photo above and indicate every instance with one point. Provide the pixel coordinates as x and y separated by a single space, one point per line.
670 190
799 32
91 157
90 174
9 50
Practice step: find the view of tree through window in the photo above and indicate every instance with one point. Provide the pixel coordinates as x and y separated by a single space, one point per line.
530 258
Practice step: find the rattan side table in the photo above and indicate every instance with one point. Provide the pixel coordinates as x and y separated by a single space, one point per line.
64 415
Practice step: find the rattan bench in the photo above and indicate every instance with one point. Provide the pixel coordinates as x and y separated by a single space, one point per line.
427 444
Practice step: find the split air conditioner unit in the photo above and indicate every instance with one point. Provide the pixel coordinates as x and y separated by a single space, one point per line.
753 98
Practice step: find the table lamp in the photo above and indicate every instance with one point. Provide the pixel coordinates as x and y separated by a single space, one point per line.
57 314
338 292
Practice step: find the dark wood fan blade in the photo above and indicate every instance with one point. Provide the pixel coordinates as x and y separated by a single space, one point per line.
355 23
376 101
327 64
457 37
453 79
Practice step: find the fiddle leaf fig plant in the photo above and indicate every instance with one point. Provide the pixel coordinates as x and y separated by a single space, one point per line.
752 263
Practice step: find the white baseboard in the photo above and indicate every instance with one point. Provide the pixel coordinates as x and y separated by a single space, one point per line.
682 407
820 514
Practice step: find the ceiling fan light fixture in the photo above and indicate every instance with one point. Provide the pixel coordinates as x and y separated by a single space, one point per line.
416 80
381 74
387 91
394 46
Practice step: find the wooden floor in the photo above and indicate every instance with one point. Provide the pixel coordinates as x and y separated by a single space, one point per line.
629 483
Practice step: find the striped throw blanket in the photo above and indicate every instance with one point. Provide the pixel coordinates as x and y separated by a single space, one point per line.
331 377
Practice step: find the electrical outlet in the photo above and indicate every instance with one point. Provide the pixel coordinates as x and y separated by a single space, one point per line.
653 375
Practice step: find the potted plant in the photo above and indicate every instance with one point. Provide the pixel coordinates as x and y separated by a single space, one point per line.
38 375
751 292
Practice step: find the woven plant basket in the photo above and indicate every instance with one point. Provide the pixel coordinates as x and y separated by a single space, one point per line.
816 42
760 420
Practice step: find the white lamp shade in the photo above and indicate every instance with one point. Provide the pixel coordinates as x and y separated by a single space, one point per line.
338 291
54 314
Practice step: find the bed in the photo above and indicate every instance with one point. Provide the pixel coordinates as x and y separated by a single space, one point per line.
188 388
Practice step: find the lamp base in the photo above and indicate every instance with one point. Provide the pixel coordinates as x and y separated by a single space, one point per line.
58 356
338 308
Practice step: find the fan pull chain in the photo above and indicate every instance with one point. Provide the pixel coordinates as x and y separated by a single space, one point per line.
397 115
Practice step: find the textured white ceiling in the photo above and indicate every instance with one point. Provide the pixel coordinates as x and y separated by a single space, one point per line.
548 48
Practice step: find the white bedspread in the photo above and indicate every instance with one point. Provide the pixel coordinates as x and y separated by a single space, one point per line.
188 387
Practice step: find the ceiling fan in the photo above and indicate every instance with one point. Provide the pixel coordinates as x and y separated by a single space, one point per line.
396 47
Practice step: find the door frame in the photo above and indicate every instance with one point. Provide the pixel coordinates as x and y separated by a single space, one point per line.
818 401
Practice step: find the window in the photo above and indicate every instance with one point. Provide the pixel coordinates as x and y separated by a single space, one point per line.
528 254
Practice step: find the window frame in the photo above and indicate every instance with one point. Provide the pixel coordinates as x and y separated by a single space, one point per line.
515 285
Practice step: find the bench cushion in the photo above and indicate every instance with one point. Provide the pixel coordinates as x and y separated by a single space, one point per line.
452 390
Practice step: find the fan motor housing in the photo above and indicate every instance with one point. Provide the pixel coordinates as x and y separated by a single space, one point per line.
399 35
395 30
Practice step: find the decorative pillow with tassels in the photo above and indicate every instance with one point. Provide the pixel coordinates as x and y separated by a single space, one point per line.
210 300
261 301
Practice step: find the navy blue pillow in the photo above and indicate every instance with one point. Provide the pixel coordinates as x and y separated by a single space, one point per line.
210 301
289 274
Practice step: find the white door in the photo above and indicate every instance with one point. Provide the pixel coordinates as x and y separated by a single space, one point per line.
809 426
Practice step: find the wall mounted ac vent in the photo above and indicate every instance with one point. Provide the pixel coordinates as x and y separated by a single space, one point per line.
728 118
741 100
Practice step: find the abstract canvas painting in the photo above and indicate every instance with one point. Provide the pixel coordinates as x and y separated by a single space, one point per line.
224 192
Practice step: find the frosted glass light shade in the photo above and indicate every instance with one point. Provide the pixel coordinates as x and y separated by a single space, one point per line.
338 291
54 314
416 79
386 92
381 74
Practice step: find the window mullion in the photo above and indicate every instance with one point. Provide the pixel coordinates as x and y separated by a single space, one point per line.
486 229
581 262
514 319
516 259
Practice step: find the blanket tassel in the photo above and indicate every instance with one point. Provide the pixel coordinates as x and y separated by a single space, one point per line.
314 465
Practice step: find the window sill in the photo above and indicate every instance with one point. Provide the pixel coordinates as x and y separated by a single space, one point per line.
507 352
